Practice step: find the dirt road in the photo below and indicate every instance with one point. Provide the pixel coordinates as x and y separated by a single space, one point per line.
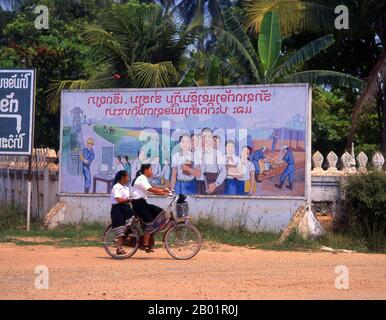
218 272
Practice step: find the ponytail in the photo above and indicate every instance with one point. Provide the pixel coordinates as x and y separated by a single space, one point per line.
141 171
136 176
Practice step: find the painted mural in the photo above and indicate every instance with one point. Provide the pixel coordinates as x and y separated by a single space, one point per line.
220 141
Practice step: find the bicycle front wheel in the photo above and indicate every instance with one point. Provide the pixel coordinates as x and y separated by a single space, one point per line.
183 241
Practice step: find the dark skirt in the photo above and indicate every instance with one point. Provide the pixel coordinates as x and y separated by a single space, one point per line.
119 214
152 216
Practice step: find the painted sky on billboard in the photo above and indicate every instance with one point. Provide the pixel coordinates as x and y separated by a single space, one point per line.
244 141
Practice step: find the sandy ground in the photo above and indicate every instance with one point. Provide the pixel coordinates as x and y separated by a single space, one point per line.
217 272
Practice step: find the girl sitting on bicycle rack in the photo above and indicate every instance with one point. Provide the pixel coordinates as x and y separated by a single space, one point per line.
151 215
120 208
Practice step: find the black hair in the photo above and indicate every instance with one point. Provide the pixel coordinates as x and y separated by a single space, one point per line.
126 158
196 134
141 171
119 159
230 142
207 129
183 135
119 175
248 147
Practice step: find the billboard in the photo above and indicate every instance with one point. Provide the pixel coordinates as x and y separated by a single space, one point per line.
17 102
245 141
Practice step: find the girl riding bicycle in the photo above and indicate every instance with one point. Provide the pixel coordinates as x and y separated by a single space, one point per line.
151 215
120 208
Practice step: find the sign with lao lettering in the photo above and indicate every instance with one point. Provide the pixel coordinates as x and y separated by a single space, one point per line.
250 141
17 99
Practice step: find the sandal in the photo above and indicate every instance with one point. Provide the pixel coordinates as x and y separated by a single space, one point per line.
121 252
148 249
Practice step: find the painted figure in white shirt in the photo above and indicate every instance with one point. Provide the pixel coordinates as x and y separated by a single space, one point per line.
166 174
196 141
248 173
156 178
233 168
119 164
185 168
212 162
136 165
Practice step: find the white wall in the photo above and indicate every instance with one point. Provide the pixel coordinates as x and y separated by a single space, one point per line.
268 214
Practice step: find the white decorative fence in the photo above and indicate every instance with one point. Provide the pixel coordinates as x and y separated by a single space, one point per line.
349 164
327 180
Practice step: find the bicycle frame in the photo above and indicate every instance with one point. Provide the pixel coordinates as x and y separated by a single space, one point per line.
171 221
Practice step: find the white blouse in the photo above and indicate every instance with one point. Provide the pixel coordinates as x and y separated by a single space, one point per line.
119 191
141 185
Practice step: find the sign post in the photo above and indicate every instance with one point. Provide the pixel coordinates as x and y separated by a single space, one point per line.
29 191
17 109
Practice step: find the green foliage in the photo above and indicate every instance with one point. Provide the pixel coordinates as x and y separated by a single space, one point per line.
365 207
133 45
262 64
11 217
331 121
270 41
206 69
56 53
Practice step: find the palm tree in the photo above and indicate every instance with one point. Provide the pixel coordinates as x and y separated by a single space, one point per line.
208 69
268 65
133 45
319 16
199 15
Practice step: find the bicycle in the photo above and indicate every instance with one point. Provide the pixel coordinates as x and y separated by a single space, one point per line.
180 234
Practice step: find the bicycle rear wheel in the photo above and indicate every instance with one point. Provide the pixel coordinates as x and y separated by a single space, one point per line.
130 244
183 241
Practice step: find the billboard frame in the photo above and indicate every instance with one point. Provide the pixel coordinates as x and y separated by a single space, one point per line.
308 143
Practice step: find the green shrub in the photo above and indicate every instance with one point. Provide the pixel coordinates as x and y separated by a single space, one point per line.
11 217
365 207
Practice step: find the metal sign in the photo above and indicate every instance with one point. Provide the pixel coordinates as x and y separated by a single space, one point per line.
17 101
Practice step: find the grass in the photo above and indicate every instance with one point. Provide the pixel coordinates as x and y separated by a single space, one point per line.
240 236
12 229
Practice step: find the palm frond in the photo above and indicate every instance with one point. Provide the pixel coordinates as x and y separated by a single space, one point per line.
103 41
304 54
296 15
234 27
240 51
270 42
52 94
157 75
325 77
213 70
